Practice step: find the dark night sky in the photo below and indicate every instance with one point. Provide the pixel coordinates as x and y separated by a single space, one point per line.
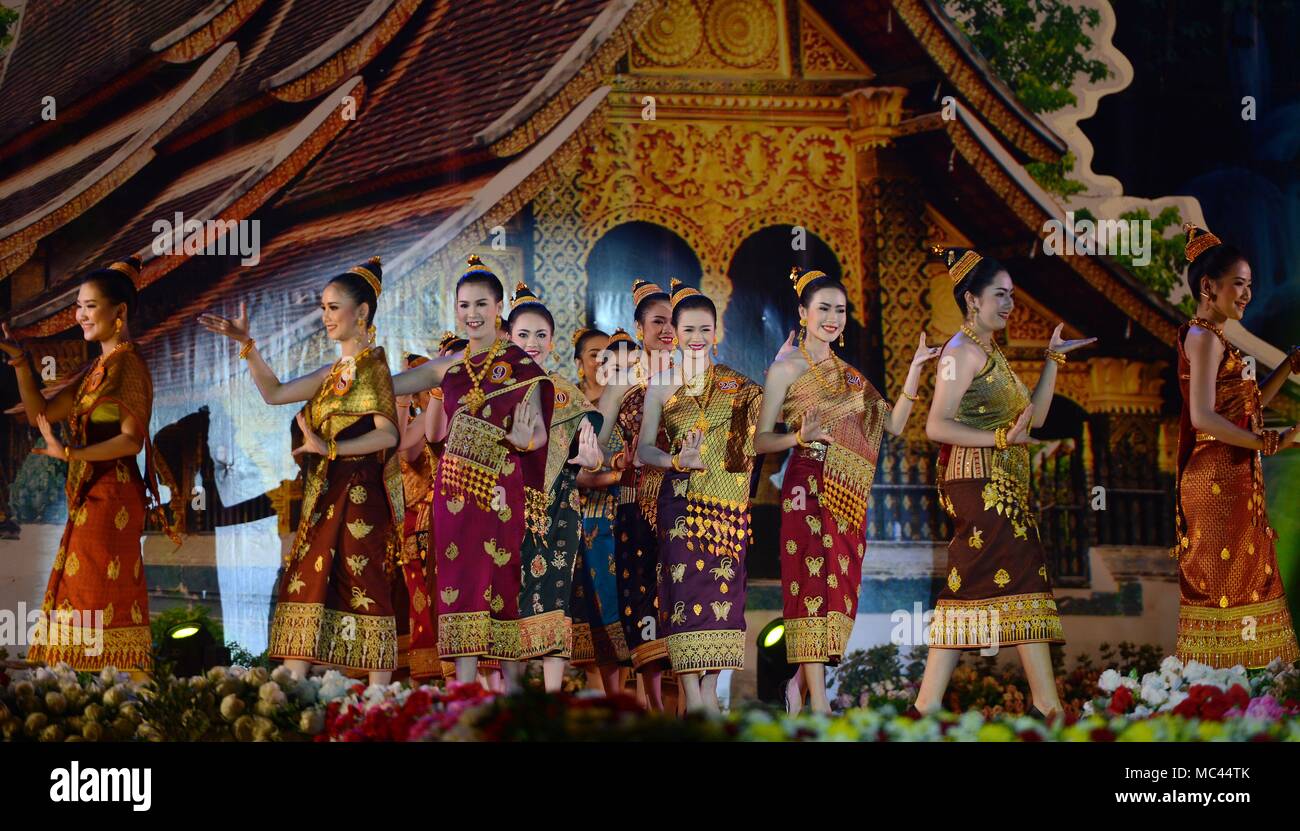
1178 129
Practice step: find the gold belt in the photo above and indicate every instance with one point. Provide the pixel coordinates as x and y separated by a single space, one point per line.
1205 437
816 451
969 463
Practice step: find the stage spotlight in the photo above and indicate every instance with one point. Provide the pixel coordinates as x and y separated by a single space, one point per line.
773 671
190 649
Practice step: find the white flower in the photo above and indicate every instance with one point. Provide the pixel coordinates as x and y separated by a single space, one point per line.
311 721
282 676
1154 695
271 692
1142 711
1171 666
1155 679
1195 671
1110 681
1176 697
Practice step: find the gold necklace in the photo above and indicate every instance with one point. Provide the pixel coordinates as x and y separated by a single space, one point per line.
475 398
344 372
1200 321
969 331
821 380
97 373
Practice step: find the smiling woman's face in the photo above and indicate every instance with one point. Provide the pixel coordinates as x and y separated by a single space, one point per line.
339 313
695 331
96 315
532 333
995 302
657 327
476 310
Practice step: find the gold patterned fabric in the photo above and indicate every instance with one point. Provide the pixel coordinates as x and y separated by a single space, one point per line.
1233 607
704 521
998 589
824 507
95 610
335 599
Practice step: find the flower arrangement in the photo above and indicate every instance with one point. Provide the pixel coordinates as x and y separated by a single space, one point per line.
1172 701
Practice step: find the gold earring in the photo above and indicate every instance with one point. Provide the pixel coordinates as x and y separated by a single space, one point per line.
117 326
498 323
373 335
582 376
715 349
674 341
841 338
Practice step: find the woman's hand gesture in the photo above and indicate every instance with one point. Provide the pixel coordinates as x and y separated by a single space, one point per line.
311 443
689 456
9 344
524 424
925 353
810 429
1060 344
588 455
1019 432
53 447
236 330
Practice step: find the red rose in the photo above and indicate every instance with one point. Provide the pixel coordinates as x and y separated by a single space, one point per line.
1121 702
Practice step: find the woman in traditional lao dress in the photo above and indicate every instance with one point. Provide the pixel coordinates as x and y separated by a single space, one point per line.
1233 609
417 633
599 643
834 419
709 420
498 402
98 569
635 541
552 512
998 590
334 603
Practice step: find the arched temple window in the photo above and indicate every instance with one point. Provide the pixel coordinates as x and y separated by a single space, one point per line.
625 253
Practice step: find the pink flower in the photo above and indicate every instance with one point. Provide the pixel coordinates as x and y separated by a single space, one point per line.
1265 707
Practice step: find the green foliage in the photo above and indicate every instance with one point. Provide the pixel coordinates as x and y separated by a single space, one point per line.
1054 178
1164 272
1145 658
159 625
241 657
8 17
1036 46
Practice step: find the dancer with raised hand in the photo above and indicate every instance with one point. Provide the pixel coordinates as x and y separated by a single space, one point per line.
635 538
1226 546
710 420
599 645
497 402
998 591
98 575
552 513
334 602
835 420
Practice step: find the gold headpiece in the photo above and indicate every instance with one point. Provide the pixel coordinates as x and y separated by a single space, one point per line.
620 336
579 333
959 264
447 337
801 281
1199 241
370 273
679 291
641 289
130 267
476 265
523 294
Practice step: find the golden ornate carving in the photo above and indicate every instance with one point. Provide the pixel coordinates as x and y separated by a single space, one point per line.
874 115
823 53
727 37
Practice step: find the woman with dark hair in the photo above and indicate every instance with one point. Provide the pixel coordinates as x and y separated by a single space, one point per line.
1226 547
709 418
334 603
99 568
998 591
834 422
552 513
497 402
599 645
635 541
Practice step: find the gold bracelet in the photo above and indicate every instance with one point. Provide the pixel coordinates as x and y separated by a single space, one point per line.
1000 438
436 392
1270 440
1058 357
677 465
909 397
246 348
333 450
595 469
67 453
532 440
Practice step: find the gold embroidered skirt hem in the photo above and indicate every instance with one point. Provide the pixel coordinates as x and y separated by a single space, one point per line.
1251 635
649 652
819 640
547 634
472 634
312 632
123 647
708 650
584 648
1000 621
